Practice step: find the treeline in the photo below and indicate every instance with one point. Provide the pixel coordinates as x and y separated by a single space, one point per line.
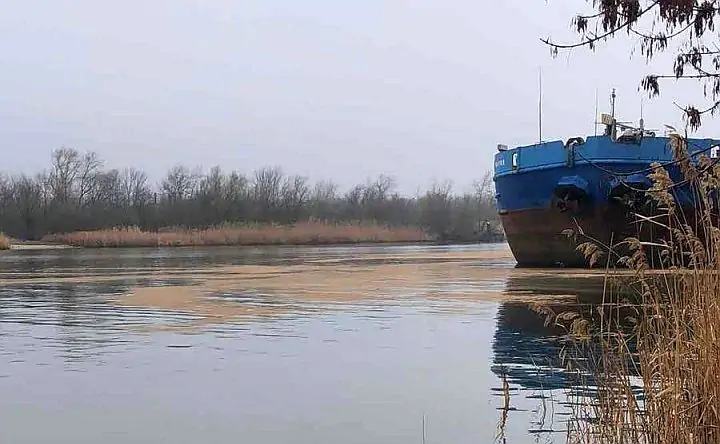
78 193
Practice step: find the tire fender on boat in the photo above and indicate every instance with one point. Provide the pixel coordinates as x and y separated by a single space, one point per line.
570 192
629 190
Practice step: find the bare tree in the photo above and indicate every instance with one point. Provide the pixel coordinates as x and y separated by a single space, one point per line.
28 201
436 209
65 169
295 194
134 187
323 200
88 168
79 193
266 190
378 190
179 183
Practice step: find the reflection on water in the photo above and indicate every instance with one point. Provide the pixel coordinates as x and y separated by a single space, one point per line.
351 344
524 347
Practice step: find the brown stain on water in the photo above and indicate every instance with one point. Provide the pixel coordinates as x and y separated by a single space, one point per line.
454 276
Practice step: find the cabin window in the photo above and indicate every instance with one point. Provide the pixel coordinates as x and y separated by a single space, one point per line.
515 160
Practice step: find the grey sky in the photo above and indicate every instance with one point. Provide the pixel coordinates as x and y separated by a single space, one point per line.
420 90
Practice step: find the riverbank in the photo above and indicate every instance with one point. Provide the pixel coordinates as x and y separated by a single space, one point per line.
308 233
4 242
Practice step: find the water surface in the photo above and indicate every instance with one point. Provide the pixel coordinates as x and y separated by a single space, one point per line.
276 345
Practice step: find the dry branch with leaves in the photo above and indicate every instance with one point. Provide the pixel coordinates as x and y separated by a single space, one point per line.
685 27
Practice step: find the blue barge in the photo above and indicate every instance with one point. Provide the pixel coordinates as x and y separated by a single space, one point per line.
546 188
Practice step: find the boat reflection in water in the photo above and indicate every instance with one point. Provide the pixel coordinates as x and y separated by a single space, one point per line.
524 347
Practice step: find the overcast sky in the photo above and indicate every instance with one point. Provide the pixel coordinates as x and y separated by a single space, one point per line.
421 90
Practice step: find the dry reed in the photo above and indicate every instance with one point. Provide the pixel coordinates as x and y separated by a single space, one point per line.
306 233
4 242
650 358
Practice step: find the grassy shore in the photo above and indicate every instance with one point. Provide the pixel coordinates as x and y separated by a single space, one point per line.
4 242
307 233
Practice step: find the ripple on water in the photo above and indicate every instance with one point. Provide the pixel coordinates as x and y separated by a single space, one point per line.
316 344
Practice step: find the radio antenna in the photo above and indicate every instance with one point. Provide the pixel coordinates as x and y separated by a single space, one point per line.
642 121
595 123
540 105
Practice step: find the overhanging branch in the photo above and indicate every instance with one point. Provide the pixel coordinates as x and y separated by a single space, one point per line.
604 35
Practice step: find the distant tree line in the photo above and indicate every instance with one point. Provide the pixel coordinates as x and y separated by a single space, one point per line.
77 192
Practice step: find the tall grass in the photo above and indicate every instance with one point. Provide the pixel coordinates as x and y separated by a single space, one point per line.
306 233
650 353
4 242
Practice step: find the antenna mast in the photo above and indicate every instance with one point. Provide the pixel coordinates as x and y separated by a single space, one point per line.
596 111
613 127
642 121
540 106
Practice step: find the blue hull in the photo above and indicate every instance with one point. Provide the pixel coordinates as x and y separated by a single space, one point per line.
545 188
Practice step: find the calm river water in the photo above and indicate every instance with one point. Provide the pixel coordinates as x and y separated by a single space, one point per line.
277 345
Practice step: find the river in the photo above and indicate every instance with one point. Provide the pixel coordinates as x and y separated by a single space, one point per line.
369 344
